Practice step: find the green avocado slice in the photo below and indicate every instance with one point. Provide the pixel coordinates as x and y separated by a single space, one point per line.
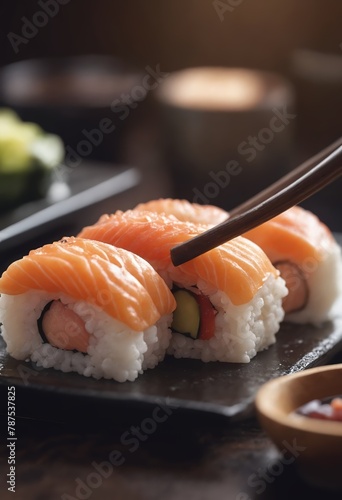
186 317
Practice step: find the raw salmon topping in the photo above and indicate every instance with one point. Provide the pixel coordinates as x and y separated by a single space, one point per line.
239 267
185 211
121 283
296 235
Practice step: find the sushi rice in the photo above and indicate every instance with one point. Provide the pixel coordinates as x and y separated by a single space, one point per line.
114 351
240 330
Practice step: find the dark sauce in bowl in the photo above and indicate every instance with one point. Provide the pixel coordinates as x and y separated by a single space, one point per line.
323 409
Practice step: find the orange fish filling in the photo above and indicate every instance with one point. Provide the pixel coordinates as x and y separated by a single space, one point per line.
297 286
63 328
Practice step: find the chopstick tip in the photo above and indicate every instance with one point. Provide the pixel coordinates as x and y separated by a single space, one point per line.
176 261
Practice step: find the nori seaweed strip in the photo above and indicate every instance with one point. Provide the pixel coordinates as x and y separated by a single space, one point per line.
40 322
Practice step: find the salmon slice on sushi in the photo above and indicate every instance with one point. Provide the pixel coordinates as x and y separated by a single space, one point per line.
308 258
298 244
185 211
228 300
88 307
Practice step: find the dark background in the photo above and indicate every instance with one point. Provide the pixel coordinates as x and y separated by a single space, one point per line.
257 33
261 34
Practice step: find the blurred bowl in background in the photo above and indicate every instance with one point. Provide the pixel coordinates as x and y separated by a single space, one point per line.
76 97
317 77
226 132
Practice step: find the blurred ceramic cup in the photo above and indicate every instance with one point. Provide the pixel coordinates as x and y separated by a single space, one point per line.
226 133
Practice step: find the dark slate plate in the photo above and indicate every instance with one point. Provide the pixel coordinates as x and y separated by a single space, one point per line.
190 386
91 188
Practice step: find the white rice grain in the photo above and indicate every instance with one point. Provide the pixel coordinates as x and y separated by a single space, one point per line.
114 351
240 331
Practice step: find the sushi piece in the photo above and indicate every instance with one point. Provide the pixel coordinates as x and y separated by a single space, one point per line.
185 210
228 299
88 307
308 258
298 244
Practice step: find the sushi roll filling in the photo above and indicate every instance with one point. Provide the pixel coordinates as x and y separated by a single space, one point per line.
194 315
297 285
62 328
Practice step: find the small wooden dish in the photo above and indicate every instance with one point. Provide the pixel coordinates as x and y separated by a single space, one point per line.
317 444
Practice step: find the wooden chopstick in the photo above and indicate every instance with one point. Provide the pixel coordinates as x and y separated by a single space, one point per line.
286 179
290 190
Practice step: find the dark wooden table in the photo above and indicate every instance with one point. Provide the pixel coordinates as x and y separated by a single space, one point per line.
87 454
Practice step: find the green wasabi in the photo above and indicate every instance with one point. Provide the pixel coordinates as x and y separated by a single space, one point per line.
28 156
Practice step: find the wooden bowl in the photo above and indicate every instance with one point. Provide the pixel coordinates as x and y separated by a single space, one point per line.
316 444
